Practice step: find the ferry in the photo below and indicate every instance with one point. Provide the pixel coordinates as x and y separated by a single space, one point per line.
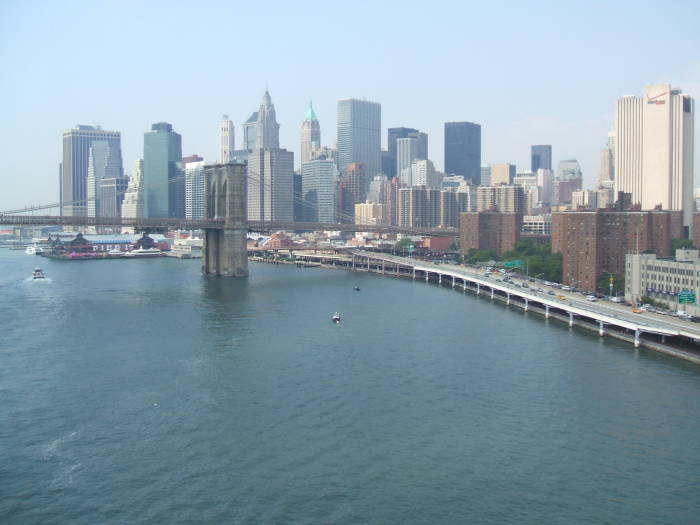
38 273
144 252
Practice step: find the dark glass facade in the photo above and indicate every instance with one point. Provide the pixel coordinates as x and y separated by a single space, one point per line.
540 158
463 150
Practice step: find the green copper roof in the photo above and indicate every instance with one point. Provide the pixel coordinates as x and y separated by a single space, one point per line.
310 115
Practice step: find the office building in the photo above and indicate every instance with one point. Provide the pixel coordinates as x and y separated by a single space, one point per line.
540 157
545 179
164 187
584 199
105 183
395 134
502 174
489 230
423 174
654 137
663 279
319 179
350 191
377 189
250 131
359 135
73 180
485 176
595 242
227 140
406 152
463 150
310 135
193 167
270 170
133 204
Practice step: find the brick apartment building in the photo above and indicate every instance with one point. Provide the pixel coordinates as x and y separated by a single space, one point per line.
595 242
489 230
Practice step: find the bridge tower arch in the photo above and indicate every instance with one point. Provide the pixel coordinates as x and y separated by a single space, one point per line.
225 250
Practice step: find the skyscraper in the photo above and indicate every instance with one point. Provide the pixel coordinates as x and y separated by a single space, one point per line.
74 173
164 188
463 150
406 152
105 180
540 157
250 131
394 134
653 155
359 136
310 135
318 188
193 168
227 140
133 203
270 170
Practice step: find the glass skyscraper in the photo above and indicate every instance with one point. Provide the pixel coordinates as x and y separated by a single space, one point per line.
540 158
359 136
77 144
463 150
164 187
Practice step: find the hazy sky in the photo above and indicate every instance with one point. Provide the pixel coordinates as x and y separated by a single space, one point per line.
528 72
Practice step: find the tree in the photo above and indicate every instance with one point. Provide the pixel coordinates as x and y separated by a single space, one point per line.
681 244
604 283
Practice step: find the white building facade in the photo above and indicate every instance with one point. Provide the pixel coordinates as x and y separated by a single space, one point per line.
194 189
227 140
653 156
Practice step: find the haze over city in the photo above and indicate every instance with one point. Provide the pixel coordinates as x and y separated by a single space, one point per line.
536 74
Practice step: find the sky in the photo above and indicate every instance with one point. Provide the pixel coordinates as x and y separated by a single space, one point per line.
528 72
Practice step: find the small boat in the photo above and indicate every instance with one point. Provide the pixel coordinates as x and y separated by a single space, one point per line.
336 318
356 288
38 273
34 250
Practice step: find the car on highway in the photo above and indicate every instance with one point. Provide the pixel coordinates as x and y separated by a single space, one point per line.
636 311
591 298
561 297
566 288
551 293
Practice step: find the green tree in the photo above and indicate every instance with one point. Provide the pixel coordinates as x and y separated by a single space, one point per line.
681 244
604 283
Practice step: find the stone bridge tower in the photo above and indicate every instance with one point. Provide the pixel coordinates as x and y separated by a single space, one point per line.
226 198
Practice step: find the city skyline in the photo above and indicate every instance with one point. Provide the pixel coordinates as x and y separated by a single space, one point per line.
572 116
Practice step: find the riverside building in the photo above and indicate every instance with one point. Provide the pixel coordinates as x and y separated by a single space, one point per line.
663 279
593 243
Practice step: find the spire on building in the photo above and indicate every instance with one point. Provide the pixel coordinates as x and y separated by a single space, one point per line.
310 114
268 130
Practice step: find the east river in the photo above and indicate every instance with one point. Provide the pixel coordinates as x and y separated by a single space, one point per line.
139 392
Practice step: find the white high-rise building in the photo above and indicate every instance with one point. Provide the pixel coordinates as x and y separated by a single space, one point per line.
653 156
423 174
194 189
132 205
406 152
270 171
227 140
528 182
545 178
310 135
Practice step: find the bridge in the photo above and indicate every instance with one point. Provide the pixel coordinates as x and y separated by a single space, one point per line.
142 224
225 225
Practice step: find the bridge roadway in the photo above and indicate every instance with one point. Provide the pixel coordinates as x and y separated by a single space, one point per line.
201 224
574 305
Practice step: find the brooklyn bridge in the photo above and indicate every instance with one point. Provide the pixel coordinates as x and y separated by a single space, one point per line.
225 225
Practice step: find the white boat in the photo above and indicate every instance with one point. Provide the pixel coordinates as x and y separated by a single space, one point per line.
33 250
144 252
38 273
336 318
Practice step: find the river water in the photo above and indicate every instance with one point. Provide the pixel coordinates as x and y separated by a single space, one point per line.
139 392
